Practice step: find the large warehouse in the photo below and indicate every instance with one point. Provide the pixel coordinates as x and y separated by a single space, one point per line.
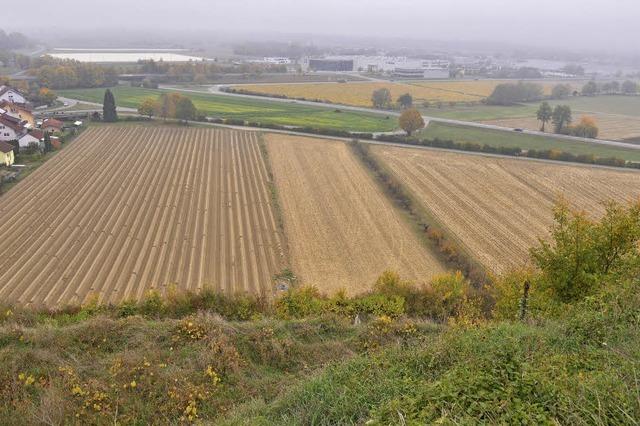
331 64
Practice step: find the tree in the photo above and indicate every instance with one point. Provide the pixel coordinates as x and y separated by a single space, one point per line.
629 87
544 114
381 98
47 96
561 118
581 252
560 91
109 113
509 93
586 128
166 106
47 142
590 89
411 120
185 110
148 107
573 69
405 101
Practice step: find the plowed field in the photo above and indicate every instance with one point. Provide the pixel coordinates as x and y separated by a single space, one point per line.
125 210
342 230
496 207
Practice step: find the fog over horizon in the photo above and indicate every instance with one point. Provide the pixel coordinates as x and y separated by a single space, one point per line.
566 24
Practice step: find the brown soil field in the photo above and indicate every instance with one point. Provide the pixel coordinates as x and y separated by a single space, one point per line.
342 230
497 208
612 126
123 210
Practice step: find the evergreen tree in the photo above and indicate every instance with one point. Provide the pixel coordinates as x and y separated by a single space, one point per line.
109 113
47 142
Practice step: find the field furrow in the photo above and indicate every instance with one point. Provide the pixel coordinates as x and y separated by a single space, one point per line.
343 231
498 208
125 210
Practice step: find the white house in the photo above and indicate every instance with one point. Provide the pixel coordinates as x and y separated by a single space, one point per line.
10 128
11 95
33 138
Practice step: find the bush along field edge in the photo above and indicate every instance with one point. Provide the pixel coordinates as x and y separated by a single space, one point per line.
435 236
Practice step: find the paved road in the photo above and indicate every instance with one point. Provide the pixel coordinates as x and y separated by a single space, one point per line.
216 89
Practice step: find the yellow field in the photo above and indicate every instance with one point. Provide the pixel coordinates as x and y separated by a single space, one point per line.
359 94
342 230
498 208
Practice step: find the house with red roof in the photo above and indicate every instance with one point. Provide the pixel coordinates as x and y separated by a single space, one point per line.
20 111
32 138
51 125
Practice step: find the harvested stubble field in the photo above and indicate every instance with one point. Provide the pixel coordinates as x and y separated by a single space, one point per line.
342 230
497 208
127 209
359 93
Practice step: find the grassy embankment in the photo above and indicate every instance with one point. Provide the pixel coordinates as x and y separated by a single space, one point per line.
163 363
263 111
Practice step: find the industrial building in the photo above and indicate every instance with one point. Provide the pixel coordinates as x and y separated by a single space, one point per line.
331 65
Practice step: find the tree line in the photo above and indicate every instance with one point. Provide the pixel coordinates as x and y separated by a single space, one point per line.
169 105
14 40
55 73
512 93
201 71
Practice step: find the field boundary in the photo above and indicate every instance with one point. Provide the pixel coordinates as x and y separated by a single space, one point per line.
275 200
431 232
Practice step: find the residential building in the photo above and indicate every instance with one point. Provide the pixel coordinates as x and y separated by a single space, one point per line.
7 158
35 137
20 111
52 125
11 95
10 128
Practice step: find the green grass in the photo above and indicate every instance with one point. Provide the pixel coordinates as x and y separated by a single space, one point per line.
522 140
105 368
481 112
623 105
263 111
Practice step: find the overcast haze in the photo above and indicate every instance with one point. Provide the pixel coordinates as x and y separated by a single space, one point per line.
601 24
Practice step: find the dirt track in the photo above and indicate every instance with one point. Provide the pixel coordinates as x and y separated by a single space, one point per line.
125 210
342 230
498 208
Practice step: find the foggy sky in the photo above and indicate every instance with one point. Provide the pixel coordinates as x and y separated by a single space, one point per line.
588 24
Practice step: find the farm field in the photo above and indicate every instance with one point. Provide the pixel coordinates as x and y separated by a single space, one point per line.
618 117
124 210
496 207
258 110
359 93
612 127
342 230
501 138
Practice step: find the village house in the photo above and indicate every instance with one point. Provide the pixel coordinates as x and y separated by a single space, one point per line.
11 95
51 125
33 138
10 128
19 111
6 154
